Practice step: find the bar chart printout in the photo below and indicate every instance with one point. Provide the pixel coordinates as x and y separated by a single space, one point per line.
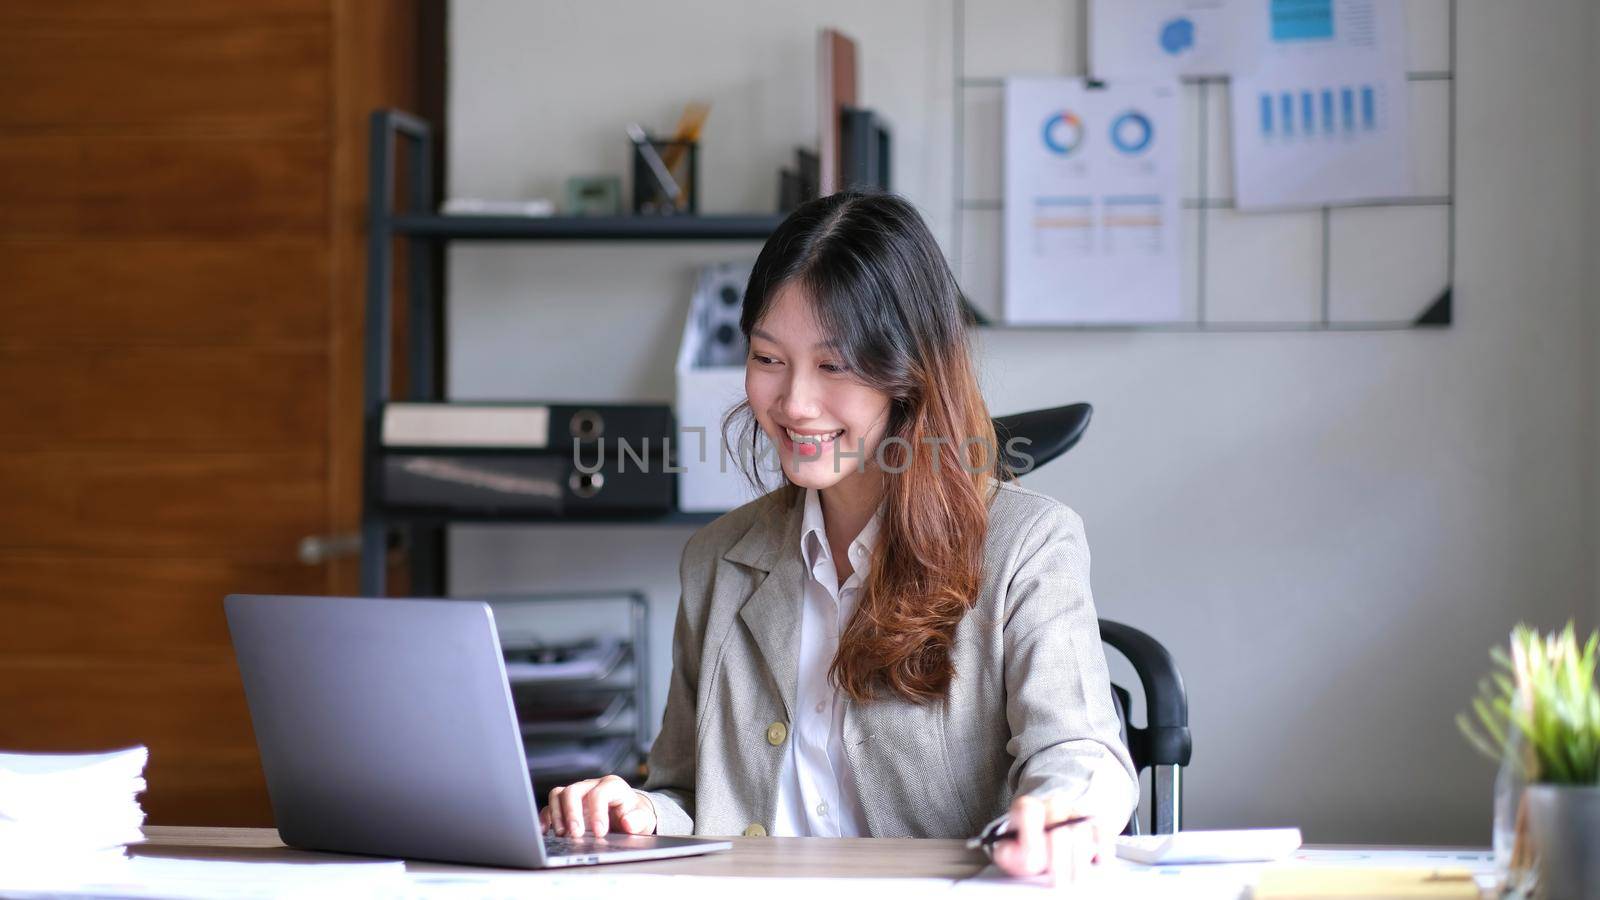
1323 119
1091 202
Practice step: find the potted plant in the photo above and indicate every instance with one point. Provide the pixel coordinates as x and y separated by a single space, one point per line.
1539 716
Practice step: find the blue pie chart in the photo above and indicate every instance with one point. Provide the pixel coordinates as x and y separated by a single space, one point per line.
1063 132
1131 132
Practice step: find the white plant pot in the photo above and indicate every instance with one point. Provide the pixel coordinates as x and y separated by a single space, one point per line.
1566 834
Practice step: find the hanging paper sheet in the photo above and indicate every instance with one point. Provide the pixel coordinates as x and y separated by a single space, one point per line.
1091 202
1324 119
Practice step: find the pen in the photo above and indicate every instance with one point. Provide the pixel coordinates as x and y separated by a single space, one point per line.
653 159
989 840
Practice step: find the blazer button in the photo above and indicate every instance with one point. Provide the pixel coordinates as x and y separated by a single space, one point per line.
755 830
776 732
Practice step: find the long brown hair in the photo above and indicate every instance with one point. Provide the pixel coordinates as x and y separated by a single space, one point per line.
880 286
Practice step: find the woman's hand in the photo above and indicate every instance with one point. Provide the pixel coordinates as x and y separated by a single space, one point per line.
1066 854
596 807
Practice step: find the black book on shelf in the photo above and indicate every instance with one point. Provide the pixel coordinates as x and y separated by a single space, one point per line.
865 144
801 183
809 167
789 193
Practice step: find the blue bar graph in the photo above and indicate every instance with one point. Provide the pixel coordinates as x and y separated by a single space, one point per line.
1319 112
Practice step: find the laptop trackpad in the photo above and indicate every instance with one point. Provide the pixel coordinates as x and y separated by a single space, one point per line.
624 847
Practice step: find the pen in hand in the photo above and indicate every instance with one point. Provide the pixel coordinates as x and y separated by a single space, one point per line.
990 840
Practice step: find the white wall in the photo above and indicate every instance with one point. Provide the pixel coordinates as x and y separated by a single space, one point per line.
1328 530
1594 306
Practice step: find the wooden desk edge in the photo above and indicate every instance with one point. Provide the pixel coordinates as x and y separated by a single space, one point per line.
757 857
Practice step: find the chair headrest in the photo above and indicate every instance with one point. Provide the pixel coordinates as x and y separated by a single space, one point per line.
1041 435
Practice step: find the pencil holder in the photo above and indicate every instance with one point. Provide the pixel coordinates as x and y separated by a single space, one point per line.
661 168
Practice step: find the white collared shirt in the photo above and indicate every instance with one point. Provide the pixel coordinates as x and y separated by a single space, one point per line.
817 794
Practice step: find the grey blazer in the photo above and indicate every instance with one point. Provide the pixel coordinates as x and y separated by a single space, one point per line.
1029 709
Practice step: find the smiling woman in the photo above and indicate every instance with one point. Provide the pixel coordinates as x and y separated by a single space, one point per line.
856 330
893 642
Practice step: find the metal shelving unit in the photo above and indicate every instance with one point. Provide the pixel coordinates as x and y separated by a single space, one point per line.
422 232
553 710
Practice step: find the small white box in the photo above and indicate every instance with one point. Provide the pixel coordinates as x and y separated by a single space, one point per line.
710 374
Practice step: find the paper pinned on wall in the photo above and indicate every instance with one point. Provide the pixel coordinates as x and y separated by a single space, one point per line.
1196 38
1324 118
1091 202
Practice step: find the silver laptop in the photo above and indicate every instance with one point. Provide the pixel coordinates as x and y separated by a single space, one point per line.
386 728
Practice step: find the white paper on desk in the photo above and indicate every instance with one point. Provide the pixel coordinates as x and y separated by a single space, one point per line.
182 879
1325 117
73 767
1220 881
1147 38
1122 880
37 797
33 838
1091 201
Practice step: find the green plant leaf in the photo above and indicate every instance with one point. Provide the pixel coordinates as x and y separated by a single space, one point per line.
1543 687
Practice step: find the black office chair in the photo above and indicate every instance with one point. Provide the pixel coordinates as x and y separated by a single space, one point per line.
1028 440
1163 744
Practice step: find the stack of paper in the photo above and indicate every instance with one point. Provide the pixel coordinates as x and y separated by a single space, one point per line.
69 812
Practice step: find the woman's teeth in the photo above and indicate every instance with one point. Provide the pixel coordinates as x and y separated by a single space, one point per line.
818 439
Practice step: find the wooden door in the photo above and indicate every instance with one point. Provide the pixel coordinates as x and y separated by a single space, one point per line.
182 196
